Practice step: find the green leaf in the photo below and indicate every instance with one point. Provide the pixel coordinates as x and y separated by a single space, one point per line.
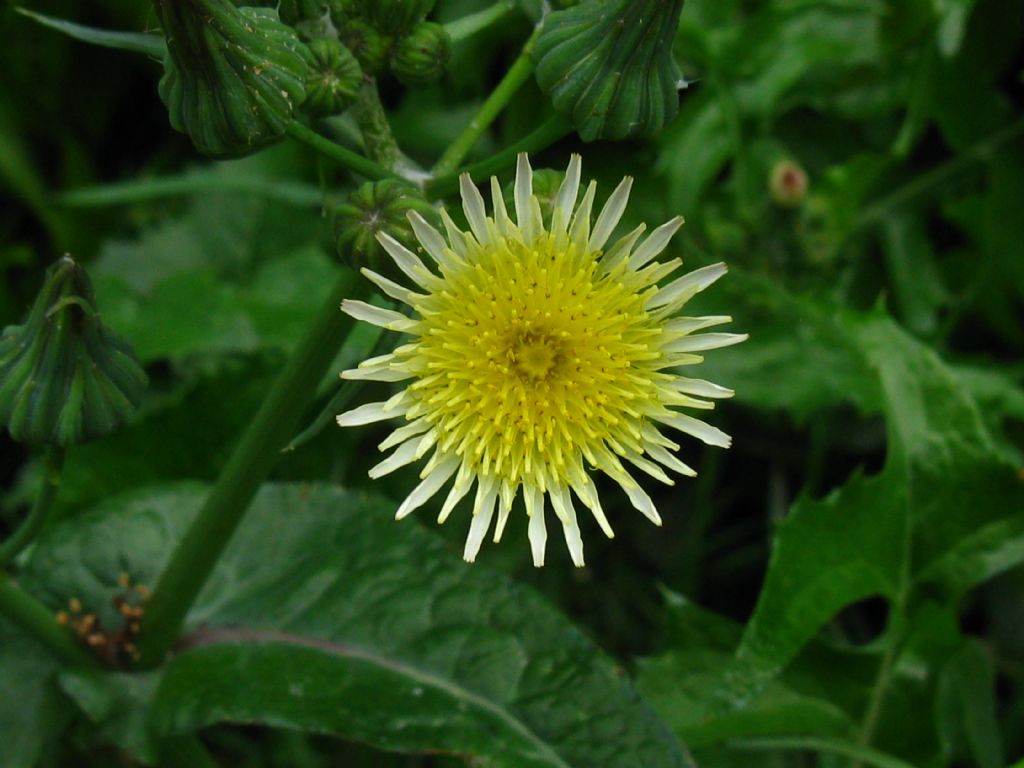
135 42
325 583
966 707
115 704
32 711
947 511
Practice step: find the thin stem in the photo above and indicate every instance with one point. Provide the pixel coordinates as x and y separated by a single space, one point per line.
373 123
255 454
933 178
877 700
514 79
467 26
37 620
550 131
53 461
346 157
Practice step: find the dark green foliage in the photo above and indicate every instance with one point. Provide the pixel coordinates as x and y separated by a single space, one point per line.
843 586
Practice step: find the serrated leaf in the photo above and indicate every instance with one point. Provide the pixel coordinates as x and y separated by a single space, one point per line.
135 42
324 581
939 514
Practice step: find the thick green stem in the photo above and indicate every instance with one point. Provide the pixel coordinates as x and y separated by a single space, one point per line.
373 122
37 620
550 131
514 79
467 26
26 534
346 157
258 449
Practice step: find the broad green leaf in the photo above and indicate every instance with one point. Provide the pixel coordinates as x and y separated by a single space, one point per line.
135 42
947 510
325 582
33 713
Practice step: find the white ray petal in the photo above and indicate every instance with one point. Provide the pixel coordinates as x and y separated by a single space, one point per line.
699 429
580 231
473 205
523 193
565 198
610 215
463 482
621 248
456 237
431 240
483 511
679 291
586 490
384 318
501 219
691 324
406 260
561 500
368 414
389 287
700 388
641 501
376 373
663 456
430 485
402 455
655 243
703 341
403 433
506 497
536 530
650 468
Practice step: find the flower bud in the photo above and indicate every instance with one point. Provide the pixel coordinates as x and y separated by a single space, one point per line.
381 206
788 184
232 76
395 17
420 57
370 47
607 64
334 79
64 377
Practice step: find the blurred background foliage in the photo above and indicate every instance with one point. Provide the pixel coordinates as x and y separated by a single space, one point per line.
879 414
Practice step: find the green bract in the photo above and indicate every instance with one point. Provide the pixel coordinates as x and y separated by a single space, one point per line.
608 65
64 377
377 207
334 78
367 43
420 58
232 76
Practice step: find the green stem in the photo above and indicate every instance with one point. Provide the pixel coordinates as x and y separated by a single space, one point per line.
373 122
53 461
514 79
467 26
933 178
37 620
550 131
877 700
258 449
346 157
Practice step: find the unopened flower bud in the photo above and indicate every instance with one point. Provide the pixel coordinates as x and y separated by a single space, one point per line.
233 77
367 43
334 79
788 184
381 206
64 377
420 57
395 17
607 64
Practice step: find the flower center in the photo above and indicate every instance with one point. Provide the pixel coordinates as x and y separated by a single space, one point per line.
534 355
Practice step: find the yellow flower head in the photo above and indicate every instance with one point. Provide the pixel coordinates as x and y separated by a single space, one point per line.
534 350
